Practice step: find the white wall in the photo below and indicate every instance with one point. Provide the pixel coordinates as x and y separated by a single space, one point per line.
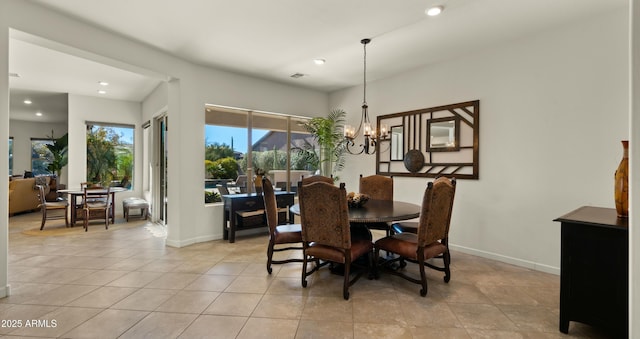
85 108
553 109
22 132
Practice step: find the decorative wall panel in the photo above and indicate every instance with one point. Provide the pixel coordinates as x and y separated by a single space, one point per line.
431 142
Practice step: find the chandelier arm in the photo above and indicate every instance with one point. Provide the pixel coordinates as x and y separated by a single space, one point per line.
351 143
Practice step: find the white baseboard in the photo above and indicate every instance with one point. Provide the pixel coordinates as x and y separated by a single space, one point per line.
5 292
506 259
211 237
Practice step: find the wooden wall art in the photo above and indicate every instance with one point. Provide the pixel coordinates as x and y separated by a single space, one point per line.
431 142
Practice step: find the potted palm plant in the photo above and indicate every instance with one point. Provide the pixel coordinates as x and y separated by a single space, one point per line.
327 132
59 151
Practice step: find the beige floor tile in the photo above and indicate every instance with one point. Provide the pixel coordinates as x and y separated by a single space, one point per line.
160 325
380 310
235 304
199 267
188 302
268 328
135 279
61 295
145 300
21 292
288 286
248 284
228 268
214 326
507 295
316 329
99 278
439 332
328 309
172 280
424 312
531 318
280 306
128 264
212 283
103 297
160 265
482 316
382 331
107 324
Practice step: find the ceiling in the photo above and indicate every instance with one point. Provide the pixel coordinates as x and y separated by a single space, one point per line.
277 38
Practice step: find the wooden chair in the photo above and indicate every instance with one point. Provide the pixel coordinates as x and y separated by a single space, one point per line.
278 234
432 238
325 231
223 190
46 206
377 187
97 204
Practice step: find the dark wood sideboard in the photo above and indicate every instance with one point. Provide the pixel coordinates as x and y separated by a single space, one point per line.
235 204
594 272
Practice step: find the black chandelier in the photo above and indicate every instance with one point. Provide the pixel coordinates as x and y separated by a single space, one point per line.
371 136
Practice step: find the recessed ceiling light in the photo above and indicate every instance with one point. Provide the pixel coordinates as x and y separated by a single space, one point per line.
433 11
27 102
103 83
38 114
100 91
319 61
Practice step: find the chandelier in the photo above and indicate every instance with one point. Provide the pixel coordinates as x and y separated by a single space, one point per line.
371 138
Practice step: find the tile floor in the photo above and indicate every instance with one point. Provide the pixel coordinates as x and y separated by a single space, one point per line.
127 284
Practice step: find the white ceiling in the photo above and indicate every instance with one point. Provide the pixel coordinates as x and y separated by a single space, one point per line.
277 38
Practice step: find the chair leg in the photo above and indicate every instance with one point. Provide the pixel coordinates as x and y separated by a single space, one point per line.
107 215
345 288
270 256
423 275
86 220
304 269
44 217
446 257
66 217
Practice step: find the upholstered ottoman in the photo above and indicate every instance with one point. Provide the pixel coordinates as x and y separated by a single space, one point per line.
135 203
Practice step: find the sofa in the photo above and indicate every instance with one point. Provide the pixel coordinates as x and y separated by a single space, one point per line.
23 196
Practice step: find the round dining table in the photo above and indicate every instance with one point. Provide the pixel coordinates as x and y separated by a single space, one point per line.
378 211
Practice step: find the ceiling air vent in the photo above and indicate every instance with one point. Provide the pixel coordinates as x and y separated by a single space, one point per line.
14 75
297 75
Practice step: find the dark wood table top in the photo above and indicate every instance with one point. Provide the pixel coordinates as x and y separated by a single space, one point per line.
379 211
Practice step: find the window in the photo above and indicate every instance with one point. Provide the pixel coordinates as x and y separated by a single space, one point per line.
279 147
10 155
110 154
41 157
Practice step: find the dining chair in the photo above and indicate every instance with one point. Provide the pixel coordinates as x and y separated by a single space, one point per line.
97 204
377 187
223 190
278 234
325 231
46 206
431 240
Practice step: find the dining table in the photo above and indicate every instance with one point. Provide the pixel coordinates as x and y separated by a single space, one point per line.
377 211
76 193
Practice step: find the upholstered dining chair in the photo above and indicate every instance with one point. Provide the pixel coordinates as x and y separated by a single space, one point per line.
96 205
325 231
46 206
432 238
377 187
278 234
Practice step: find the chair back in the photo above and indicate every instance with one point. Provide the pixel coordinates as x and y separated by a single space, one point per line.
43 202
315 178
437 206
223 190
377 187
97 198
270 205
324 214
